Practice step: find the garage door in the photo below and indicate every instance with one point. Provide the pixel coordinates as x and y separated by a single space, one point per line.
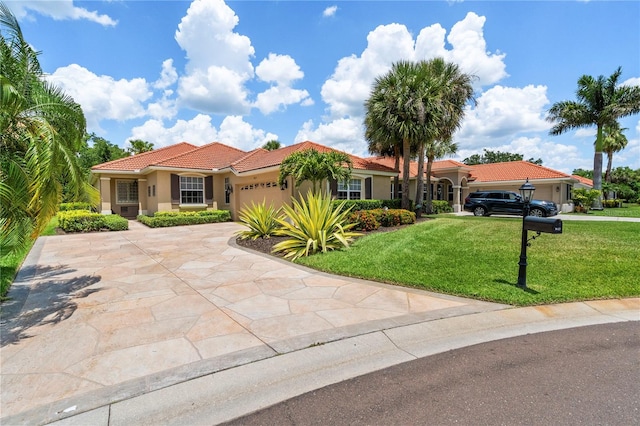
258 191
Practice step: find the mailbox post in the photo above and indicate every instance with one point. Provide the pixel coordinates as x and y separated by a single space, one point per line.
532 223
526 192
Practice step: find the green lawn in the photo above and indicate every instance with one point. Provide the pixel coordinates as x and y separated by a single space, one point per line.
478 257
627 210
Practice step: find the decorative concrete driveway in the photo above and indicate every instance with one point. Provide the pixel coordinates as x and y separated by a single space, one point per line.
96 318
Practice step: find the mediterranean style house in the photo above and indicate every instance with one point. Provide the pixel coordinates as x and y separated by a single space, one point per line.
185 177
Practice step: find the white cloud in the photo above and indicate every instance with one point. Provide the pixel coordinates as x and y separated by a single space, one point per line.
586 132
237 132
630 156
633 81
344 134
59 10
218 59
503 112
102 97
168 75
282 70
330 11
164 108
199 131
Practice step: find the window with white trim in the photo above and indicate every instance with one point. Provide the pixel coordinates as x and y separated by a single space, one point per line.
127 191
399 190
227 190
191 190
351 190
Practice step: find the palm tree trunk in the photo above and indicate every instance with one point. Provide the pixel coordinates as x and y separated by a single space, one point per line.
406 161
429 204
396 179
597 169
607 175
420 180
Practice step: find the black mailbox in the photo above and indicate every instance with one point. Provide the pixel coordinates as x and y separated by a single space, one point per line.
543 224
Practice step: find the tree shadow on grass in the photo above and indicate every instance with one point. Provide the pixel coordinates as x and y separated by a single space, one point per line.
515 284
39 296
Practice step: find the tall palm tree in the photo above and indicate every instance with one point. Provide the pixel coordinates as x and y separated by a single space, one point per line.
600 101
397 110
42 131
614 141
455 91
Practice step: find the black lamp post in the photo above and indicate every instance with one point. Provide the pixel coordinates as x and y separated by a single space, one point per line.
526 192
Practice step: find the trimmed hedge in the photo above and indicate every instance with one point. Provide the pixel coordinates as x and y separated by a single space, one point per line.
74 206
612 203
86 221
364 220
165 219
394 217
356 205
396 204
441 206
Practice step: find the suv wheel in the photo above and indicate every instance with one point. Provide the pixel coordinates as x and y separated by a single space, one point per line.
536 212
479 211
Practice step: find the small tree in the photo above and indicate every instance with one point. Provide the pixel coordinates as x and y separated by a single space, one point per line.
311 165
272 145
583 198
138 146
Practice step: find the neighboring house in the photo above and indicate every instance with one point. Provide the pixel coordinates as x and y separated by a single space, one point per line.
583 182
185 177
453 181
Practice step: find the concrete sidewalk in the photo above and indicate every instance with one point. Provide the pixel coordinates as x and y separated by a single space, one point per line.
178 326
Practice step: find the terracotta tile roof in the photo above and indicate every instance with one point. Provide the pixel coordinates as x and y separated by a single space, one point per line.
448 164
260 159
207 157
583 180
145 159
413 165
513 170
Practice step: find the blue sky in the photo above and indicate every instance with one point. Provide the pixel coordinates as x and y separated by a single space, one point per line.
245 72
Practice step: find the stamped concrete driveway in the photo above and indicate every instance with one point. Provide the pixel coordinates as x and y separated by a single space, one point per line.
96 318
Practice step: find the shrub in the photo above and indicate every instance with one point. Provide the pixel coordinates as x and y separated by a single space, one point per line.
260 219
364 220
584 198
114 222
165 219
441 206
394 217
81 221
396 204
313 225
355 205
612 203
74 206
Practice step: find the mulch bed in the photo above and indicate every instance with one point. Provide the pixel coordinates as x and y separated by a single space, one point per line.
265 245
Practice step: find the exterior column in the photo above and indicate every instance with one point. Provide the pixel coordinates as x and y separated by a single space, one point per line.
457 201
105 195
142 196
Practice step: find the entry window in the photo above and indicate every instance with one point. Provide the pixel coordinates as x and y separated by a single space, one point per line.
227 191
127 191
399 190
351 190
191 190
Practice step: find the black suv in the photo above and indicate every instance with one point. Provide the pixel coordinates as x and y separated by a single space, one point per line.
484 203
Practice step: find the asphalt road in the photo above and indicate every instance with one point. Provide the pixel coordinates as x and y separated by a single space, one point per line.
581 376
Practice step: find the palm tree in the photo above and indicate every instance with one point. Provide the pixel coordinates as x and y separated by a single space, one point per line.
386 148
454 90
42 131
311 165
614 141
272 145
139 146
397 110
601 102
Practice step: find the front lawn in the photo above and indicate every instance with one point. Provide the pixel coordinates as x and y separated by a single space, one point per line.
627 210
478 257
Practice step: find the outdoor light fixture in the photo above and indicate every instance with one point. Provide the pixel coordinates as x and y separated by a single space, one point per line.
526 191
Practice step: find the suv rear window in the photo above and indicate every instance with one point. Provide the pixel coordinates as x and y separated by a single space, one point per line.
477 195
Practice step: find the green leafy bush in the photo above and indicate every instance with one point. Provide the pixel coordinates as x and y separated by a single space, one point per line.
441 206
260 219
355 205
114 222
313 225
86 221
74 206
394 217
364 220
584 198
396 204
165 219
612 203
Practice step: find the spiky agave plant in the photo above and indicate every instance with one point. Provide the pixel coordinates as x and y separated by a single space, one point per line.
260 219
314 225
